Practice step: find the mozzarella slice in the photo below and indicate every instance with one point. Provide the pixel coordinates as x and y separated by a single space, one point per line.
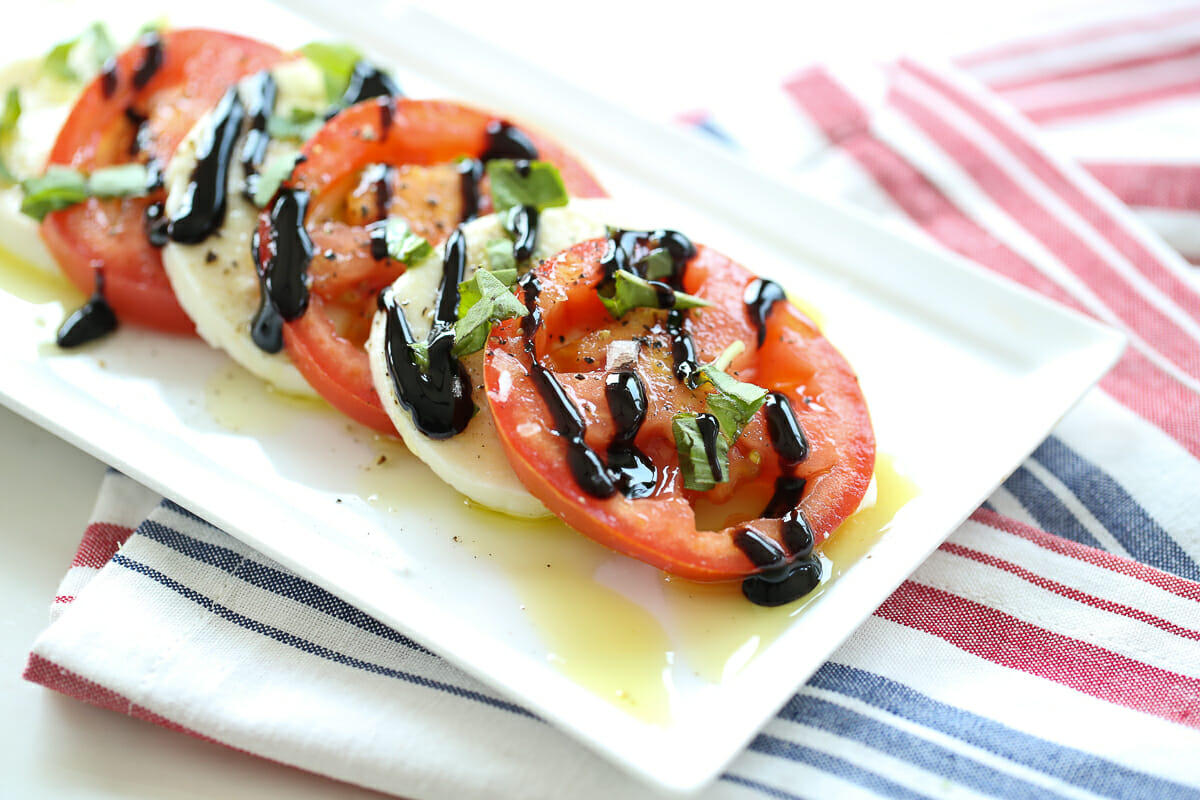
473 462
45 103
215 280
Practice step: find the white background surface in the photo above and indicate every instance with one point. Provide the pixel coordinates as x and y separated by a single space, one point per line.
658 59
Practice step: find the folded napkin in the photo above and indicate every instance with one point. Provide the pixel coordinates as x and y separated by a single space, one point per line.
1050 648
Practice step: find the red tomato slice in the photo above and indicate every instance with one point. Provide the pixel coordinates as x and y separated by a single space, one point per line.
105 128
419 140
688 533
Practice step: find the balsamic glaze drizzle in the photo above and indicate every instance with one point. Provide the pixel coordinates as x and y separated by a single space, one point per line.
151 60
109 78
380 176
438 399
524 228
504 141
634 472
507 141
586 466
787 437
761 296
367 81
284 275
203 209
91 321
262 91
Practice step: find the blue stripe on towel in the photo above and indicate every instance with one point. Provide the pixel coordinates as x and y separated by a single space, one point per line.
284 584
937 759
1047 510
1115 509
826 762
312 648
1077 767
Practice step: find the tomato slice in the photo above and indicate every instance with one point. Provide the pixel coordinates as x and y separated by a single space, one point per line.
388 156
138 111
699 535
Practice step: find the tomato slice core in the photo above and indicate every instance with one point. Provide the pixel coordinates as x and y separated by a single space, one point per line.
688 533
388 155
140 112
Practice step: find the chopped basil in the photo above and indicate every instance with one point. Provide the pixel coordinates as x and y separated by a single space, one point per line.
656 265
420 355
483 300
274 172
298 126
123 180
62 187
630 292
404 245
703 451
539 186
336 62
8 125
58 61
730 406
500 256
732 402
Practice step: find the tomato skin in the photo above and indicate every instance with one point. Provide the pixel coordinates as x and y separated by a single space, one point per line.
661 529
197 67
396 132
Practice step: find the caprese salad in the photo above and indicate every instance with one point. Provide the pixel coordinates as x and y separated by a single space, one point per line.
436 272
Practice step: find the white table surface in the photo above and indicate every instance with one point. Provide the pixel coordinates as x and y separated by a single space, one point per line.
52 746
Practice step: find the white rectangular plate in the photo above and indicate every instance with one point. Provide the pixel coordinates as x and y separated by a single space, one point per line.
964 375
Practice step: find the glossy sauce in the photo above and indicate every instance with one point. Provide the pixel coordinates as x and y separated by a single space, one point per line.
262 91
151 61
205 199
761 296
439 398
633 471
93 320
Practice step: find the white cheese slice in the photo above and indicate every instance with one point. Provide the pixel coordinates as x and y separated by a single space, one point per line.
473 462
215 280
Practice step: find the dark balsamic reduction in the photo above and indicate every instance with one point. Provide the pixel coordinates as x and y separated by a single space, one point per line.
93 320
470 173
622 246
141 132
261 90
524 228
109 78
506 141
204 204
780 588
787 437
761 296
585 465
710 429
151 60
284 275
155 224
438 399
683 349
367 81
632 469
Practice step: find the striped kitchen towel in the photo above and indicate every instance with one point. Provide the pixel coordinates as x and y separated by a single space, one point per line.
1051 648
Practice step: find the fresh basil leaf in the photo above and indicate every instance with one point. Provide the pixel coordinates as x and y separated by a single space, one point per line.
703 450
404 245
630 292
656 265
58 61
420 355
61 187
336 61
124 180
493 301
277 170
732 402
298 126
539 186
9 115
500 257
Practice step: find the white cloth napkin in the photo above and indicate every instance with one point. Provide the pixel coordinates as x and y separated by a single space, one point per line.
1050 648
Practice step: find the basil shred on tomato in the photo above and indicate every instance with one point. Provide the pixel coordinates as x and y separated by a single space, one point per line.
137 111
420 160
587 419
